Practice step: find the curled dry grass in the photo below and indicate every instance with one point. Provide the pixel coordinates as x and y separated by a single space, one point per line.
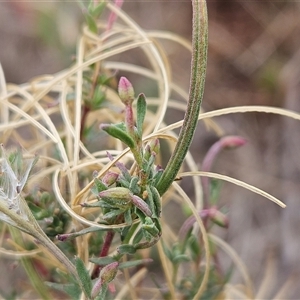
44 117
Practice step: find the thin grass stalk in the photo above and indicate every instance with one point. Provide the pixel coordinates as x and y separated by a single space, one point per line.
35 279
190 204
236 182
237 109
238 262
166 269
135 279
164 82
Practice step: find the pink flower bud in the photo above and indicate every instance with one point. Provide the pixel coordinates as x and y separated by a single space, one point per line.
116 193
126 91
112 17
232 141
218 217
142 205
118 197
227 142
107 274
110 178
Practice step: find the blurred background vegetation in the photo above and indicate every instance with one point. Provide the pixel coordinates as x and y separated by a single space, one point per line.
254 58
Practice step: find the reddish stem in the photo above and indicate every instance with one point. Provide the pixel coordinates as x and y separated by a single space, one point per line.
85 113
104 252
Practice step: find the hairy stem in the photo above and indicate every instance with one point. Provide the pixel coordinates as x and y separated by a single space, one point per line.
197 81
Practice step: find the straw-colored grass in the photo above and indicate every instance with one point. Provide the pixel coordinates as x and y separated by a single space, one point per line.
44 116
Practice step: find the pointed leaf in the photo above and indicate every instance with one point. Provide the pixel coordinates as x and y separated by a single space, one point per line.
91 23
98 98
127 216
98 187
130 264
112 214
102 293
157 201
181 258
97 11
118 133
150 201
126 249
84 276
102 261
69 236
167 251
141 109
134 186
72 289
138 237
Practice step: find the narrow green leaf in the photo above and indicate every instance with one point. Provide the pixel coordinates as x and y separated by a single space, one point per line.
147 244
97 11
111 215
130 264
121 126
141 109
150 202
133 186
181 258
99 203
127 216
38 212
118 133
102 261
98 187
91 23
84 276
138 237
167 252
72 289
150 227
157 176
98 98
157 201
69 236
126 249
194 246
102 294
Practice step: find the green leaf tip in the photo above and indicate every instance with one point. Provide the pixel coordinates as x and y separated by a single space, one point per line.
141 109
84 276
118 133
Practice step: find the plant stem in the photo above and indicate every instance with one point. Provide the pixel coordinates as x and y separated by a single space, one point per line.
85 113
104 251
196 90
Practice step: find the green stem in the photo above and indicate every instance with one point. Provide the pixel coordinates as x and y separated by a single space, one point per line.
104 252
197 81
